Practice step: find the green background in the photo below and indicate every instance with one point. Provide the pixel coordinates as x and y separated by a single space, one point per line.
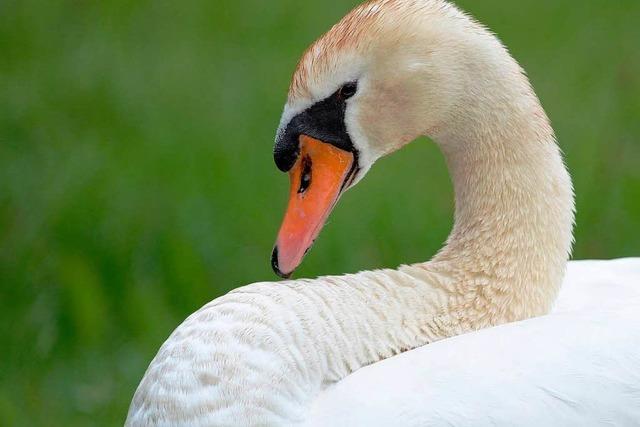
137 183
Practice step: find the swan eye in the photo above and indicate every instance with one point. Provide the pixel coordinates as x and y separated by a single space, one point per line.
305 178
348 90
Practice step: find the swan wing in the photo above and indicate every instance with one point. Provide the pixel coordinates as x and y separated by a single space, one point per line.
578 366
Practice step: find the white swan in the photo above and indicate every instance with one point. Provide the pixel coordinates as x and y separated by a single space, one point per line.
282 353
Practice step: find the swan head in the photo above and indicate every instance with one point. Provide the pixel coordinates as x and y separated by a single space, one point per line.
388 72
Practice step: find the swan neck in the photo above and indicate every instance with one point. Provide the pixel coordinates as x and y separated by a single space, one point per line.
513 198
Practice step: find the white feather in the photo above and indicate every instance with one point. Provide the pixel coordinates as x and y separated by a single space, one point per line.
578 366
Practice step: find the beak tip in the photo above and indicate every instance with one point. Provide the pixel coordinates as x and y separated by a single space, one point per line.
275 266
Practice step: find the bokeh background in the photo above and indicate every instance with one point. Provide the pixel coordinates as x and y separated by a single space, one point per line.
137 183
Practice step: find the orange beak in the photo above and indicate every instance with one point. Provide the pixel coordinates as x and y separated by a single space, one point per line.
318 177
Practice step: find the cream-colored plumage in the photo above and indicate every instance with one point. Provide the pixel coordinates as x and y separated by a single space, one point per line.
261 354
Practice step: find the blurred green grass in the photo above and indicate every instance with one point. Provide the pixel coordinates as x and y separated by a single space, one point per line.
136 178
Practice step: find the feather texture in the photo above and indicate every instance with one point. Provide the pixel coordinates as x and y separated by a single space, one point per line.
574 367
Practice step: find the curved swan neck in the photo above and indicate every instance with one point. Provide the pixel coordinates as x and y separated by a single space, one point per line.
513 195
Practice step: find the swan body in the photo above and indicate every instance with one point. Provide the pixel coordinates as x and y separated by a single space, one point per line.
573 367
298 352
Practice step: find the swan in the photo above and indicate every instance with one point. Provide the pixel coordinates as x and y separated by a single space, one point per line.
350 350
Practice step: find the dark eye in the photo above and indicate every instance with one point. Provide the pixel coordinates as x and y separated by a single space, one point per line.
348 90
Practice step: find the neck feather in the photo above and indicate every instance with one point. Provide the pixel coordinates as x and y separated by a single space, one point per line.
514 212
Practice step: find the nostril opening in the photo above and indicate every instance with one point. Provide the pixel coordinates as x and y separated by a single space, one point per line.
305 176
